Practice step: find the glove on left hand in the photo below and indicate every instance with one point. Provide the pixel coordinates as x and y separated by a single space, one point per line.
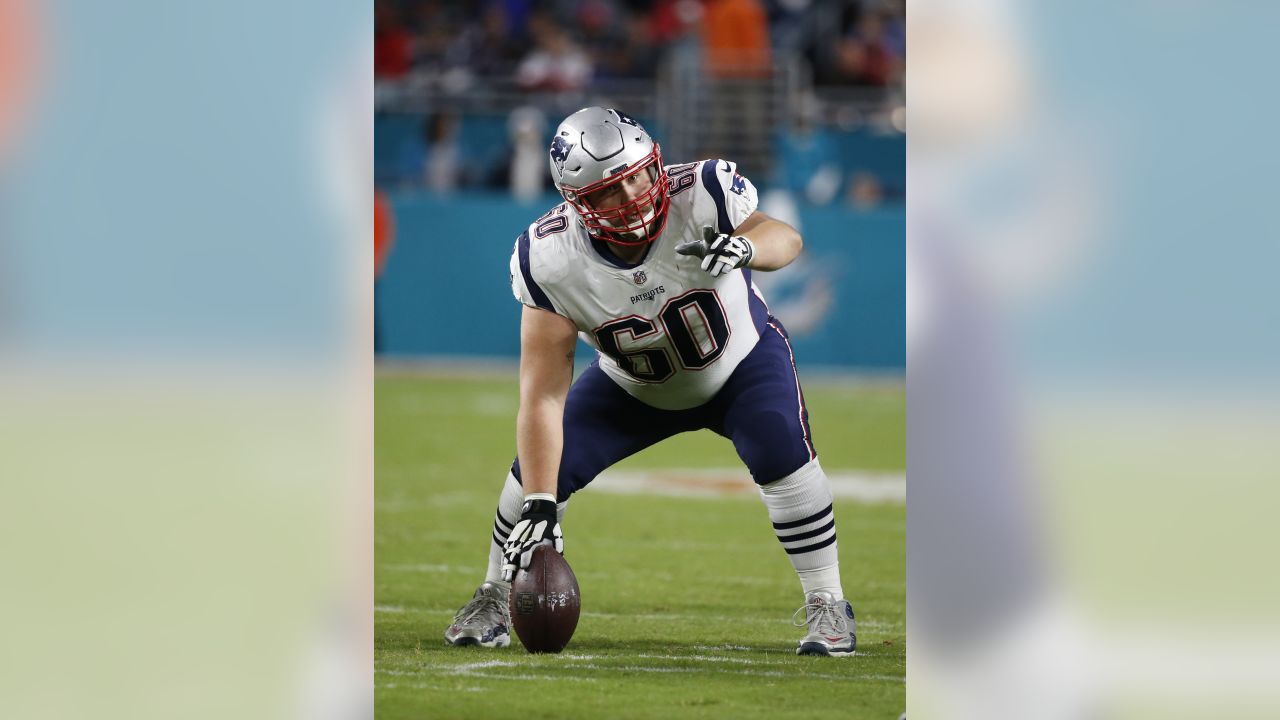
720 253
537 525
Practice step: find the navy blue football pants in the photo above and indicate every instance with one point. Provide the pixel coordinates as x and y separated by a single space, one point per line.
761 409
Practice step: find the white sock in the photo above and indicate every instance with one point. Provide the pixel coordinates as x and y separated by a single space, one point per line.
800 509
507 515
510 503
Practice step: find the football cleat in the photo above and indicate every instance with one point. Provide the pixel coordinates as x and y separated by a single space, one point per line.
485 621
832 629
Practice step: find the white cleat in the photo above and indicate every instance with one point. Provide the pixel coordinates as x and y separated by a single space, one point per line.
832 629
485 621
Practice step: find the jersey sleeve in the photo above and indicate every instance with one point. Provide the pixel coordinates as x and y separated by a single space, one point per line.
524 286
732 194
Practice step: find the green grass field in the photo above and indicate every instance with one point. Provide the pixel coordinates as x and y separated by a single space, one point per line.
686 601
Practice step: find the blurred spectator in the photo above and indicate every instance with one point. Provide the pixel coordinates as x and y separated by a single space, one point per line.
735 37
862 56
392 43
442 156
432 157
789 25
871 50
598 22
490 50
670 19
736 54
435 34
517 14
529 153
556 63
894 18
637 57
604 35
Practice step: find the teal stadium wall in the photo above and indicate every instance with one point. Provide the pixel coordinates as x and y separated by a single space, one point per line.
446 291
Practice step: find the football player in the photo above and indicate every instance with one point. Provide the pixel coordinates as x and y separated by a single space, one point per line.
651 265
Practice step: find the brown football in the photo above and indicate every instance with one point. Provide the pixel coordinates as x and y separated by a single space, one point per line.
545 602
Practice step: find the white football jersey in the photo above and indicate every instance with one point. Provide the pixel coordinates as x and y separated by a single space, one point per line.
667 332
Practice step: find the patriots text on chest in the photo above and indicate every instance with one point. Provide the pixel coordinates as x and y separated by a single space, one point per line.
648 294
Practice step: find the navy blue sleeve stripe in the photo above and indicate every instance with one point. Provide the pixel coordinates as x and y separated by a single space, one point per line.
503 521
810 534
811 548
712 184
803 521
539 298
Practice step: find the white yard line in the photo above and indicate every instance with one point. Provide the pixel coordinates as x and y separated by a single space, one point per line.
484 664
707 658
427 568
798 673
864 487
862 624
713 664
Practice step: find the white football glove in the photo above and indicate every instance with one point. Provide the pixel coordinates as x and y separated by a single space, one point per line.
537 525
720 252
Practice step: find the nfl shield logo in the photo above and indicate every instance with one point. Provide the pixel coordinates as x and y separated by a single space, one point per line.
640 277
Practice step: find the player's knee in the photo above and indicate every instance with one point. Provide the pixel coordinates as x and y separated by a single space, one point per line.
570 480
772 445
575 474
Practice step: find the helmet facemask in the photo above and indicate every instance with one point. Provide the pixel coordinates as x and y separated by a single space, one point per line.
633 223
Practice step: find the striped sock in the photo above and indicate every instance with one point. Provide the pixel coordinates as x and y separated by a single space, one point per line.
800 508
505 518
507 515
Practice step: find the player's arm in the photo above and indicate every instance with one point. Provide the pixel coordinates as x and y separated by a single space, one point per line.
547 343
760 243
775 243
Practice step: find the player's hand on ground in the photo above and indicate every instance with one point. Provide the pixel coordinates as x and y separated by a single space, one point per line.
537 525
720 252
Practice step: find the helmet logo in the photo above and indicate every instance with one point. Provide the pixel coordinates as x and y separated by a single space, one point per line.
640 277
560 152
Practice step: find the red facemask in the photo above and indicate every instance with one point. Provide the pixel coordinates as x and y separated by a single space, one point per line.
616 223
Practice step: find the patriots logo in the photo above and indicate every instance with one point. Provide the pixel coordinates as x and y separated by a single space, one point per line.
739 184
640 277
560 152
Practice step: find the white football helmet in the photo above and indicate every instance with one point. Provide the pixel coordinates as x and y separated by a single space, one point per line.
596 148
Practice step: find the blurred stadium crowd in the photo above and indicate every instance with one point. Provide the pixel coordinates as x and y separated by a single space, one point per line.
806 95
562 45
